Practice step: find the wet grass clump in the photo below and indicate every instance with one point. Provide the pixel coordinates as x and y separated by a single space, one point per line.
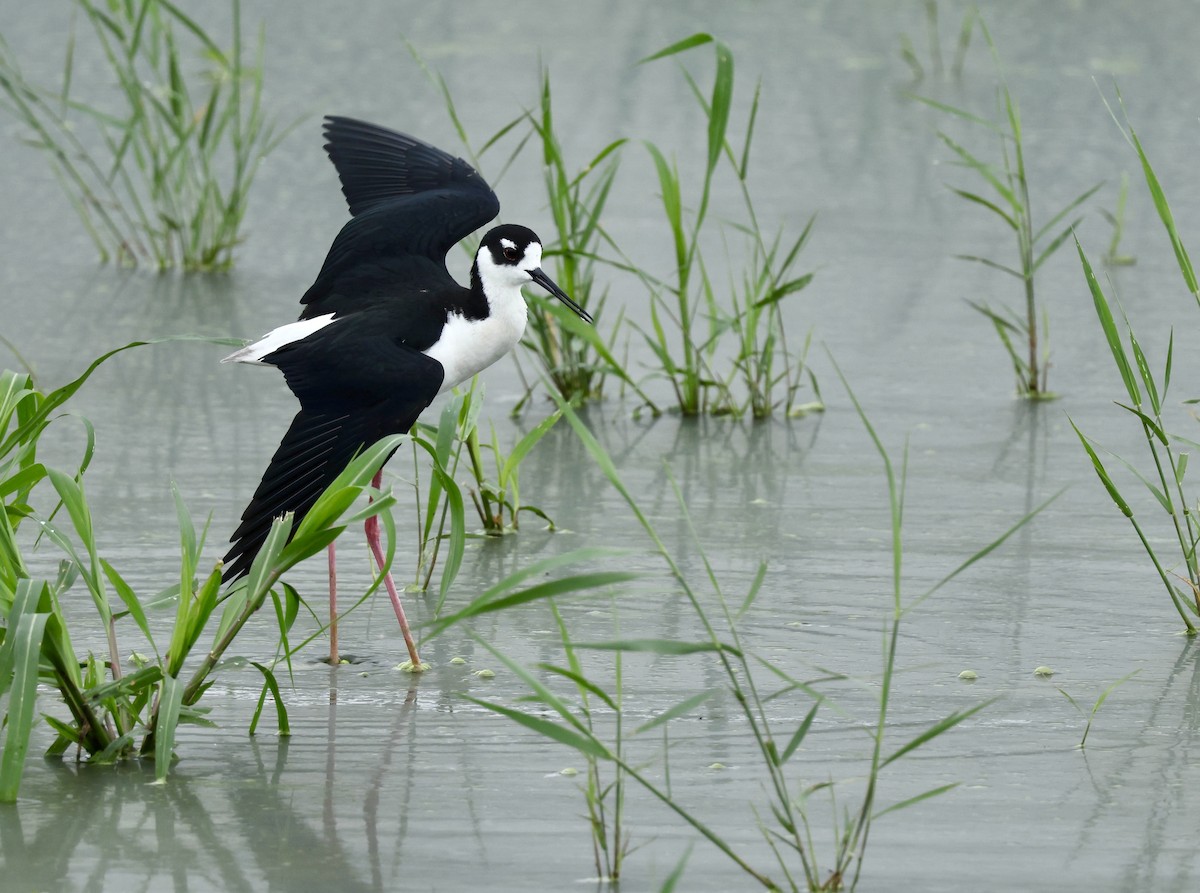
1024 332
691 324
1147 392
159 174
113 712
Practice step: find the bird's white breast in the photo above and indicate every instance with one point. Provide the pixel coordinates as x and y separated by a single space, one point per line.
468 346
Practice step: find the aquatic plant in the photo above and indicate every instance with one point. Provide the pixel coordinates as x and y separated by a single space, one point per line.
576 357
161 176
113 712
908 50
1013 206
688 321
1090 715
1116 219
1147 398
790 834
452 444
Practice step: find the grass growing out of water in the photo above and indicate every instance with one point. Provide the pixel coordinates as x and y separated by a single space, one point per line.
575 356
689 323
908 50
160 176
1090 715
454 444
114 712
1023 333
785 821
1147 397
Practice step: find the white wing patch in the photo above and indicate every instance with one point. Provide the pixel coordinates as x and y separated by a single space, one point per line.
277 338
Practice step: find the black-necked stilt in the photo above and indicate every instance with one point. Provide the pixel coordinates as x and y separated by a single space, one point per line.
385 328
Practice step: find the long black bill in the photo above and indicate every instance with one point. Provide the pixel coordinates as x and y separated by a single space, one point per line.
538 276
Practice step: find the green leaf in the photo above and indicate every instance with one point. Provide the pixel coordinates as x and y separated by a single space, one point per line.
587 745
932 792
991 206
582 682
21 652
1109 325
487 603
659 646
685 706
799 735
938 728
170 701
698 39
270 684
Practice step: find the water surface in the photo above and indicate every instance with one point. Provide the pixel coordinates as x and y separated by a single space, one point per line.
390 782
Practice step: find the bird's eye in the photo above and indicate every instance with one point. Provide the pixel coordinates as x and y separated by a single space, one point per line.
511 254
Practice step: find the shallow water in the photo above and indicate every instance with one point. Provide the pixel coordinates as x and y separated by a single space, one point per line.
393 783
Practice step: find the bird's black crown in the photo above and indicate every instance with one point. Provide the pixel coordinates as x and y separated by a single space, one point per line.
507 243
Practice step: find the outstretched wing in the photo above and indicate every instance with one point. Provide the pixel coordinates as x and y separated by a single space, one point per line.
410 204
349 399
380 167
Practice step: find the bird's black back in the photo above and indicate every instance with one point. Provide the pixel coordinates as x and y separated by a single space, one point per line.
410 204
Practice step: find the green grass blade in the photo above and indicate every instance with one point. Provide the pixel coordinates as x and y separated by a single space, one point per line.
21 653
941 727
1061 215
1109 325
695 40
1102 473
1168 219
170 701
955 111
991 206
683 707
587 745
582 681
487 604
799 735
129 598
911 801
271 685
658 646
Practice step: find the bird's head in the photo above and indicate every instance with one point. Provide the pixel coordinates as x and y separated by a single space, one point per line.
510 256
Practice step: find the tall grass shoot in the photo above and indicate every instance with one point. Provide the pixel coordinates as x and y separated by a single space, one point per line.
690 323
160 173
1147 396
1024 332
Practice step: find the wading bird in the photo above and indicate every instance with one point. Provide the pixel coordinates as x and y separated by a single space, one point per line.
385 328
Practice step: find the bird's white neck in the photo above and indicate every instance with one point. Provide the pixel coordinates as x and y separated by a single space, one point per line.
468 346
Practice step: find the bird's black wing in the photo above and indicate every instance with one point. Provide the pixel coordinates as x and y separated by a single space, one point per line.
410 204
354 387
382 170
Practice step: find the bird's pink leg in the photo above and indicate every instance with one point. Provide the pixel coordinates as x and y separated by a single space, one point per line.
334 657
373 541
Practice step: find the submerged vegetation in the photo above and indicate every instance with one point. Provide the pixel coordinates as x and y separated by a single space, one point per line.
160 177
114 712
1024 333
690 324
1147 395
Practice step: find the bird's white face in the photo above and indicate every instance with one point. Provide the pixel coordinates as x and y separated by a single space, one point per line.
512 270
